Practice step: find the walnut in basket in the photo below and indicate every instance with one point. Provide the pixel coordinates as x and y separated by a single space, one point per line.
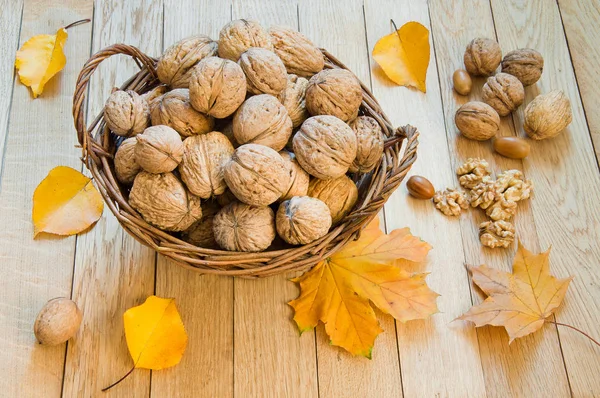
325 146
126 113
159 149
204 158
370 144
239 35
126 168
262 120
245 228
335 92
201 232
339 194
175 66
302 219
164 202
299 179
265 73
294 99
173 109
298 53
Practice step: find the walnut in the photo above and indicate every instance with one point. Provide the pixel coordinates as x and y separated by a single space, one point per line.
246 228
325 146
175 66
256 174
496 233
513 186
239 35
156 92
217 87
201 232
293 99
335 92
174 110
370 144
477 120
473 172
298 53
298 185
450 202
265 73
204 158
163 201
503 92
484 194
226 198
227 131
159 149
126 113
525 64
502 209
126 168
482 57
547 115
339 194
302 219
262 120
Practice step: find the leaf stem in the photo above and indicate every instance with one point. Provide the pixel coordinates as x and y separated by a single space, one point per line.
120 380
396 29
576 329
81 21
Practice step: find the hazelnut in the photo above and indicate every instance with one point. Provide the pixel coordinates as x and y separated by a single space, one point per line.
420 187
512 147
159 149
503 92
126 113
369 144
265 73
547 115
246 228
477 120
298 53
525 64
299 179
335 92
293 98
175 66
57 321
174 110
482 57
126 168
239 35
339 194
201 232
302 220
462 82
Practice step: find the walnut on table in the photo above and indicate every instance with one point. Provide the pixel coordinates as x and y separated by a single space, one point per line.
451 202
496 233
484 194
513 186
473 172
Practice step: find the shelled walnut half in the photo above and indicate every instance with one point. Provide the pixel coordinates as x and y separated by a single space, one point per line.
495 234
451 202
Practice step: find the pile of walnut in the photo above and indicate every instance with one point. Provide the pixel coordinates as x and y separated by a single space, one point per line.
498 198
248 138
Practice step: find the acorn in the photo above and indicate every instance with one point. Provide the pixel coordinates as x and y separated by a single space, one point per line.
512 147
420 187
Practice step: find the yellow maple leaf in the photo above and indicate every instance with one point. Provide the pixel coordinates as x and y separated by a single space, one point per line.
65 203
337 290
404 55
521 301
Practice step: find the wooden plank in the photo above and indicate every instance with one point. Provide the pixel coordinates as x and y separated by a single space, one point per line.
428 347
113 272
566 209
339 27
581 22
271 359
36 271
204 301
508 370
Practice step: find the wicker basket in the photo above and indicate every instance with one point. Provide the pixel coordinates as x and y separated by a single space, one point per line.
375 187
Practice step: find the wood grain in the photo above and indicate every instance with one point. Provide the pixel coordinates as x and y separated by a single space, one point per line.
35 271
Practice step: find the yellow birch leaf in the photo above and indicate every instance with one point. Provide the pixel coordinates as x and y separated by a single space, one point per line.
404 55
65 203
521 301
155 334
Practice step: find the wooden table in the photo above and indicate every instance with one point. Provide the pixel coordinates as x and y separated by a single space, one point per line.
242 341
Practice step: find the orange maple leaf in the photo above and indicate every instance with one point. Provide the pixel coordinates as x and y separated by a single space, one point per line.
337 290
521 301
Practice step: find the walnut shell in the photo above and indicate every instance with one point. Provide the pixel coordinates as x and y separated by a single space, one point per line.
126 113
204 157
256 175
226 198
294 99
246 228
217 87
503 92
265 73
370 144
298 53
302 219
299 179
155 93
175 66
174 110
239 35
547 115
227 131
335 92
477 120
126 168
57 321
159 149
339 194
482 57
525 64
325 146
164 202
262 120
201 232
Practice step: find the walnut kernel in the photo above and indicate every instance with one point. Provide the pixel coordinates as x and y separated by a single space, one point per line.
496 234
472 172
451 202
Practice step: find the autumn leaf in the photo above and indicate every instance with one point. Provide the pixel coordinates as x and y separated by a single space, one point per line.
65 203
404 55
521 301
337 290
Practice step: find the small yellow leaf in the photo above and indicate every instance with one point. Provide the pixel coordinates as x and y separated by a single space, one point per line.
40 58
404 55
155 334
65 203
